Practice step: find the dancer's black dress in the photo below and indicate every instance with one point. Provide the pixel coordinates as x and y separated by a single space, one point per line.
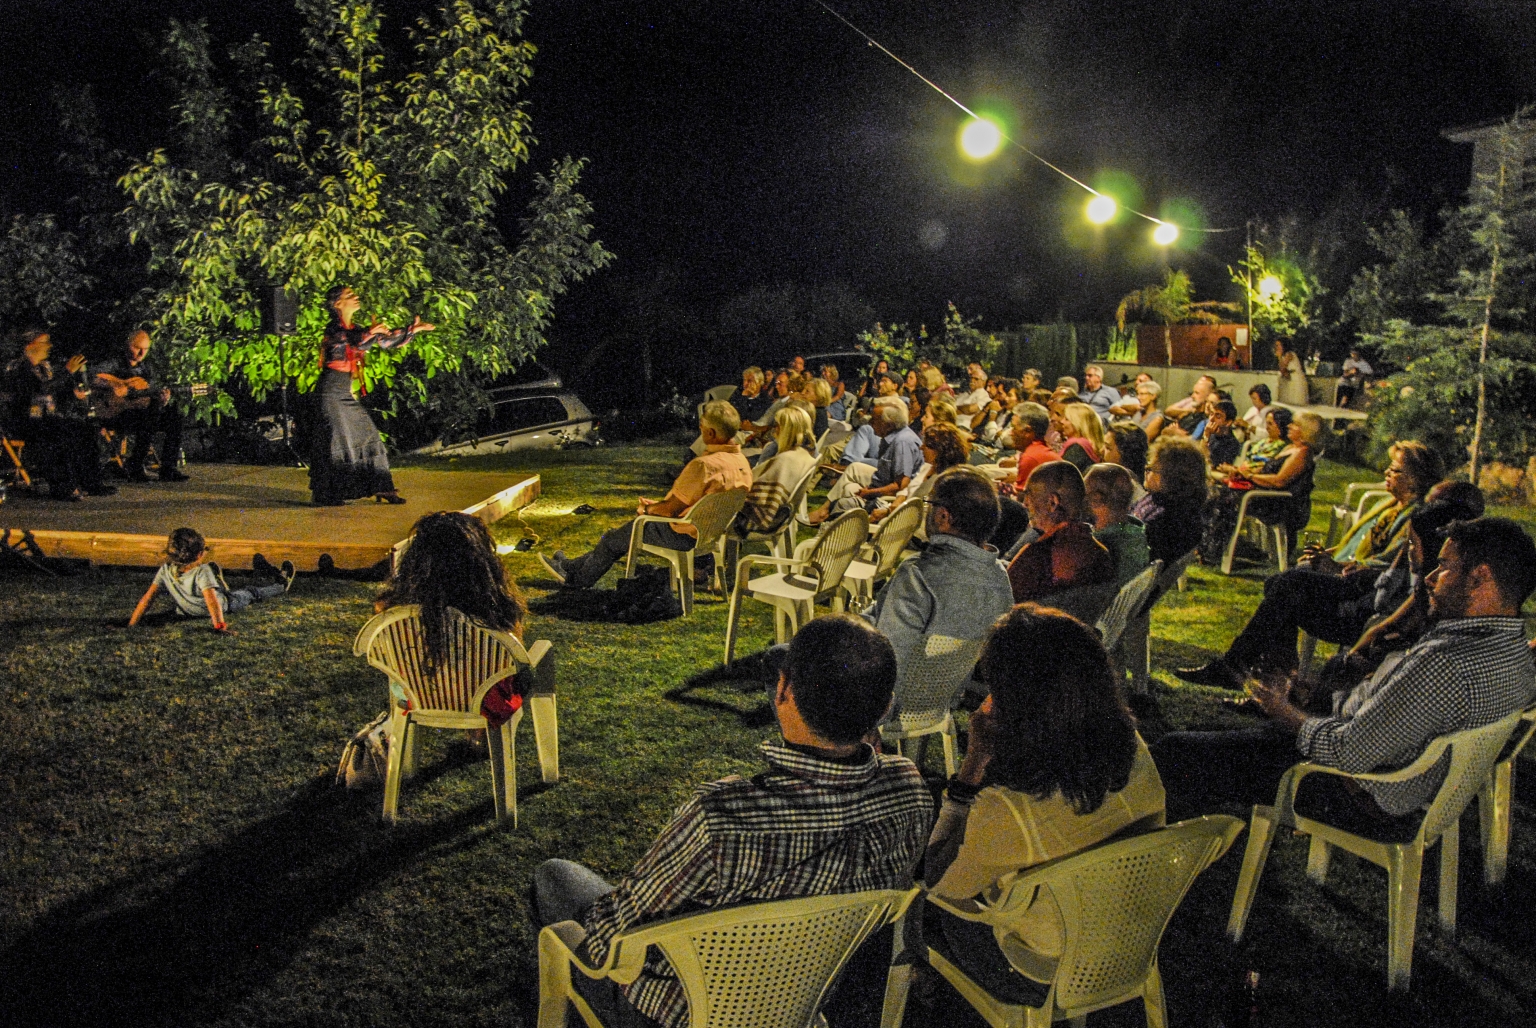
348 459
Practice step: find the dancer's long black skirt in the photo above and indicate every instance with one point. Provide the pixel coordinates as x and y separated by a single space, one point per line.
347 459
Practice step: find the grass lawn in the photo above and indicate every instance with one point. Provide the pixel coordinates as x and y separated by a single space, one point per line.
172 851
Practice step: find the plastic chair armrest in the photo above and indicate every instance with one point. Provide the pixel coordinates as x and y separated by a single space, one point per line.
1242 508
746 564
537 650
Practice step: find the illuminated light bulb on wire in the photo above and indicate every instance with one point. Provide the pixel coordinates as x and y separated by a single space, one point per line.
980 139
1270 287
1165 233
1101 209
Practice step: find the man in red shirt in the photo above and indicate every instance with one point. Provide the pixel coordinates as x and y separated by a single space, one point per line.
1030 424
1066 555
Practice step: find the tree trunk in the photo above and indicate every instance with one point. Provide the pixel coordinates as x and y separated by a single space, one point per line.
1482 352
1168 342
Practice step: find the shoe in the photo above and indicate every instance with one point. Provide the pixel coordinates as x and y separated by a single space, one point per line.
288 573
389 497
555 565
1217 673
174 475
101 490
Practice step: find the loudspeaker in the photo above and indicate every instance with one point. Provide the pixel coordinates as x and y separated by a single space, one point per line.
279 311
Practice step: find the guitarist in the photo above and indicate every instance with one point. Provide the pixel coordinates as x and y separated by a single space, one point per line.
131 399
41 408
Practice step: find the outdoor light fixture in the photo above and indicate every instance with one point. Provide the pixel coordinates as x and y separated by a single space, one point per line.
1165 233
1270 287
980 139
1101 209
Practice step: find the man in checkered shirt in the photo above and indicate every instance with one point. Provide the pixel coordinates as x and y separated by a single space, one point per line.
1471 668
830 815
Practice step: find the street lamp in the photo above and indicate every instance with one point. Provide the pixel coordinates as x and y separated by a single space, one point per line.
980 139
1271 288
1101 209
1165 233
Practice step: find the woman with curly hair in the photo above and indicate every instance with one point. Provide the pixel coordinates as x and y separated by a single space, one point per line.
1054 767
1171 510
451 571
944 447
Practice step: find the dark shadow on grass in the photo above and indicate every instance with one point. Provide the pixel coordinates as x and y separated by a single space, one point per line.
738 678
185 942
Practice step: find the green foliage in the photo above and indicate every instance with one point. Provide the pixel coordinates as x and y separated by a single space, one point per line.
1119 344
1171 303
960 343
390 182
895 344
1277 314
42 275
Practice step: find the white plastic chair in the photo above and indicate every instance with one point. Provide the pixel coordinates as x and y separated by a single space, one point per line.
1344 518
1129 600
711 516
394 641
879 557
1494 800
719 392
1472 756
812 574
762 965
931 678
1136 641
1115 900
836 432
781 540
1279 533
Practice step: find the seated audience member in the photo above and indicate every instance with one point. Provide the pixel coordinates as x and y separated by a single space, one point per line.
819 395
1147 417
1082 435
1171 510
1096 394
911 382
722 467
1224 357
1471 668
955 587
1029 381
1255 414
144 408
944 447
45 409
1221 443
775 479
1108 490
940 409
867 386
1329 598
829 815
1066 383
797 364
1031 424
796 402
1054 767
837 406
751 400
1354 373
933 380
1289 471
863 447
1126 445
1188 414
1065 555
1262 445
901 455
889 385
975 398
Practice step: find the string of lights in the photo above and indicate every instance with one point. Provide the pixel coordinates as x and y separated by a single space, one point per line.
982 136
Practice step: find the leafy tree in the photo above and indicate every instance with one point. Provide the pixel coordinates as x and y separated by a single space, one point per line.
378 170
962 342
1277 312
895 344
42 275
1171 303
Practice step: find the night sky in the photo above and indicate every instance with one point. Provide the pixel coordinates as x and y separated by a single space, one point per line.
736 144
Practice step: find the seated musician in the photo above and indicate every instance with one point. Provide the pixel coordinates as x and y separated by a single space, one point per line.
43 408
131 399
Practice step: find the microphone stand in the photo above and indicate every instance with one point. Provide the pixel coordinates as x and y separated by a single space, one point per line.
282 368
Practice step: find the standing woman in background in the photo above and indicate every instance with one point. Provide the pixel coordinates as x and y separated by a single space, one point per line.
348 459
1294 391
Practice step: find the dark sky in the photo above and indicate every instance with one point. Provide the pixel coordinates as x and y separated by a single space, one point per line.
739 143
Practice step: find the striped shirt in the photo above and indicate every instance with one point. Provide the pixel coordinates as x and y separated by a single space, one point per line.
1463 673
808 826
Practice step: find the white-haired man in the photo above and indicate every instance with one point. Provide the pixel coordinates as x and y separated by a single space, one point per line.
901 455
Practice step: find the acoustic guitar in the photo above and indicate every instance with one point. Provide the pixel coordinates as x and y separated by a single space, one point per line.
113 396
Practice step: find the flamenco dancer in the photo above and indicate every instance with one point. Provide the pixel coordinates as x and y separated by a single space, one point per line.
348 460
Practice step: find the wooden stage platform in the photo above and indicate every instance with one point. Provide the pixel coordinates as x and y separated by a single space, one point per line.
244 510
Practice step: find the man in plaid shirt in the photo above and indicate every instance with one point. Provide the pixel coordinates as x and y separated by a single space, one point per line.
1471 668
830 815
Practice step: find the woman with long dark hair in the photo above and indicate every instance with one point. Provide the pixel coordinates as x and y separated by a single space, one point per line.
450 569
1054 766
347 455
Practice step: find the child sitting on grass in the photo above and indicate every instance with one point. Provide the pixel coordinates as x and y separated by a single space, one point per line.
197 588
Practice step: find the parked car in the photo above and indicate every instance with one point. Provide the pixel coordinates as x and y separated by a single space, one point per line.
527 417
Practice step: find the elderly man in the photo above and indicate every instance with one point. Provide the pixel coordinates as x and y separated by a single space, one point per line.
901 455
1329 598
975 399
863 446
141 406
828 815
1187 414
1031 422
721 467
751 401
1471 668
1096 394
1065 555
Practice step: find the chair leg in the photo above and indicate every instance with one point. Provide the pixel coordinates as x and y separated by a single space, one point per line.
1317 860
1282 547
1230 553
502 750
1450 866
1261 833
1308 649
948 737
1152 998
1403 870
408 756
1493 802
554 983
682 571
546 736
898 978
392 766
732 615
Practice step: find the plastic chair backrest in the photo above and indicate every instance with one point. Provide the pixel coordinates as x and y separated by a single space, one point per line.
1474 751
893 534
719 392
1127 601
931 674
837 546
713 514
1115 901
764 965
836 432
1087 603
395 642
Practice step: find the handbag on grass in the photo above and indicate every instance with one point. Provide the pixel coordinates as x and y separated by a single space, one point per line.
364 760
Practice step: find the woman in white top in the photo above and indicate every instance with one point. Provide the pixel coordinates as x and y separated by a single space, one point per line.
1149 419
1259 394
1293 377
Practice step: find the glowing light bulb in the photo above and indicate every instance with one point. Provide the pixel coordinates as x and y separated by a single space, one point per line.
1165 233
1270 287
1101 209
980 139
